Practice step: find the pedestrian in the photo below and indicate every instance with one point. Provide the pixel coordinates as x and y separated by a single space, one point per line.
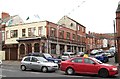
85 55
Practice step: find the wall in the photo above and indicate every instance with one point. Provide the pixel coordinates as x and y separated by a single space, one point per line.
2 55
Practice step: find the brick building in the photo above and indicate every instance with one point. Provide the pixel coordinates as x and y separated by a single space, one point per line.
99 40
118 31
44 36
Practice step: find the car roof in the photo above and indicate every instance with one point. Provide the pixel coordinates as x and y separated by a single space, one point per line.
32 56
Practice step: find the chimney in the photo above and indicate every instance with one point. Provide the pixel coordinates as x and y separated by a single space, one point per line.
4 15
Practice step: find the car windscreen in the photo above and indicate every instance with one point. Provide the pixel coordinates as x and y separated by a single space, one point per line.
42 59
47 56
98 61
66 54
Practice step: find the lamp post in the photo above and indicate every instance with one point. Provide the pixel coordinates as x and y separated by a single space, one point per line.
57 51
116 59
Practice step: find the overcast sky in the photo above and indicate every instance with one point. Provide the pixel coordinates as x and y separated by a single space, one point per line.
95 15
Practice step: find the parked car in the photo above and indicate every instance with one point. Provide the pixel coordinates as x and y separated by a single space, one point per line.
102 57
93 52
80 54
109 53
67 55
46 56
37 63
88 65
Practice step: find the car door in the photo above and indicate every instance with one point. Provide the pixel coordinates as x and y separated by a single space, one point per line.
90 66
34 64
27 62
77 64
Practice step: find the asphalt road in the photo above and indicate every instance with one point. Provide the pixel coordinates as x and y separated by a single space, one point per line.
14 71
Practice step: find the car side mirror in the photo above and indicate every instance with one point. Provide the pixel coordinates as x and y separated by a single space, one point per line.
94 63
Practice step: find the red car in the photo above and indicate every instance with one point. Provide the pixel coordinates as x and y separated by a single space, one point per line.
88 65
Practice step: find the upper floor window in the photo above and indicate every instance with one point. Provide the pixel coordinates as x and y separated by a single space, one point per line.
83 29
39 31
71 24
74 37
23 32
68 35
31 31
61 34
78 38
52 32
14 33
78 27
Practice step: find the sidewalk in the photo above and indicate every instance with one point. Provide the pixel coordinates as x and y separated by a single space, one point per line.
10 62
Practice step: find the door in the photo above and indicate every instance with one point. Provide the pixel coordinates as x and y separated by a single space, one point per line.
89 66
77 64
34 64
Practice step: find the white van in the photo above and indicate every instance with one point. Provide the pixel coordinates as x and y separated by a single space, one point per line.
67 55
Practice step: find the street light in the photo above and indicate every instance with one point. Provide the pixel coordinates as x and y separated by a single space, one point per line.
116 59
58 50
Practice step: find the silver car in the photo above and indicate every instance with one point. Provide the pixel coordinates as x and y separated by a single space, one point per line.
38 63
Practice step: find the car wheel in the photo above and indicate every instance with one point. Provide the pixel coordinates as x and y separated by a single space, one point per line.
44 69
23 68
70 71
103 73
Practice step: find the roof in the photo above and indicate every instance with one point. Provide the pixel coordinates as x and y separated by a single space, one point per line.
74 21
118 8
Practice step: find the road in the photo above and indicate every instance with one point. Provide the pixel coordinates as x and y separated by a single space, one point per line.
14 71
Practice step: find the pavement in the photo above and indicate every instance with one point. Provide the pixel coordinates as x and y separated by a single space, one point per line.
11 63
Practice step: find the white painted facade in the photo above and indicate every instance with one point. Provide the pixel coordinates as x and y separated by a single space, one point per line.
10 40
65 21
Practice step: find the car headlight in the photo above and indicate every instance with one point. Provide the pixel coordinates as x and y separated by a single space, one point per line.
114 69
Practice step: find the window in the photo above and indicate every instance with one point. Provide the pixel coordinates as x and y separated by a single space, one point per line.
14 33
78 27
83 29
34 59
27 59
39 31
74 37
31 31
77 60
61 34
71 24
78 38
53 32
68 35
23 32
88 61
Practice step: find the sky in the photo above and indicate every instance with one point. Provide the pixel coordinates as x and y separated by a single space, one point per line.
96 15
